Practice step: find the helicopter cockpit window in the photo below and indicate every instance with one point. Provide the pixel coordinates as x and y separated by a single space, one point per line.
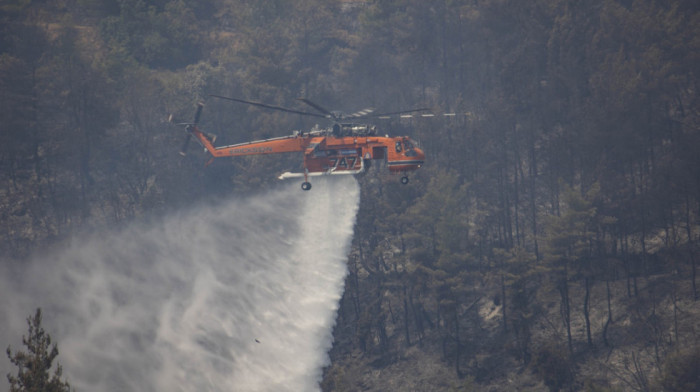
410 148
398 147
410 151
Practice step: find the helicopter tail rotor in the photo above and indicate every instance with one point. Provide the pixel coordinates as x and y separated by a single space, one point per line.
190 127
183 150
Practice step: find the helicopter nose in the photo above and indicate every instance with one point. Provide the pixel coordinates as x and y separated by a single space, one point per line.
417 158
420 156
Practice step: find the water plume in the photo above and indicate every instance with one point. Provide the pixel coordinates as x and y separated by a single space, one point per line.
241 295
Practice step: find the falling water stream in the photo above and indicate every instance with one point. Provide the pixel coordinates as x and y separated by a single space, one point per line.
239 295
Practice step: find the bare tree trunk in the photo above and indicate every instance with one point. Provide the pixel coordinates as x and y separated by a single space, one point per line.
458 349
586 310
405 317
356 288
517 176
689 233
418 317
626 263
674 297
532 172
566 309
693 275
503 303
610 316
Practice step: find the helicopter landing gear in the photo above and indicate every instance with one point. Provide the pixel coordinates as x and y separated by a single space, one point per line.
404 180
306 185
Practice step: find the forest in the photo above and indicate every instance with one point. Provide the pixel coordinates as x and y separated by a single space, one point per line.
550 241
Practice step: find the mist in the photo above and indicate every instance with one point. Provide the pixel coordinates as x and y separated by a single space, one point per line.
238 295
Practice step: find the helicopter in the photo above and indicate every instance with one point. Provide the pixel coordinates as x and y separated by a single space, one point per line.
345 148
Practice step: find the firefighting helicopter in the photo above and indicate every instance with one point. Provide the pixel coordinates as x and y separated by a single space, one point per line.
345 148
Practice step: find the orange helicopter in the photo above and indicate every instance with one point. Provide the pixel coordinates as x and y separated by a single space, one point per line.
344 149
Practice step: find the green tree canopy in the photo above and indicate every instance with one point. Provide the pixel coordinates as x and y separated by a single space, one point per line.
35 364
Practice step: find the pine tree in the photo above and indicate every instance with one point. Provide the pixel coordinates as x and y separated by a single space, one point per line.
34 365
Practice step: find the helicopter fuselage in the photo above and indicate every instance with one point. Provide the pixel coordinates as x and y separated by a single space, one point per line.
345 148
326 153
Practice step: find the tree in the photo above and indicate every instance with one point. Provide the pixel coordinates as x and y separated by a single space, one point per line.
519 286
568 250
34 365
553 366
679 372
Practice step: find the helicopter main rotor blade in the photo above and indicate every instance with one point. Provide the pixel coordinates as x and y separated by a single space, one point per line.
328 113
264 105
361 113
335 115
396 113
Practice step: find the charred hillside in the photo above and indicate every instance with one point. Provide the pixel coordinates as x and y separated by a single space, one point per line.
550 241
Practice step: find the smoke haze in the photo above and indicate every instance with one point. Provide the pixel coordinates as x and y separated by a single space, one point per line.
240 296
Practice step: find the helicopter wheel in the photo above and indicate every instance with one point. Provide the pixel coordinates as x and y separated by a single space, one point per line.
306 186
404 180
